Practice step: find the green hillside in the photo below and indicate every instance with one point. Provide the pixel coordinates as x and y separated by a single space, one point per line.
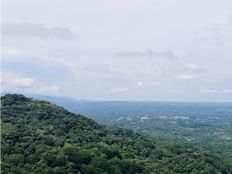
40 137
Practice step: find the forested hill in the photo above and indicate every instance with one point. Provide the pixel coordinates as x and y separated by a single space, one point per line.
40 137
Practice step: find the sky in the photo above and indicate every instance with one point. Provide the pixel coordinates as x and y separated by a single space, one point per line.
136 50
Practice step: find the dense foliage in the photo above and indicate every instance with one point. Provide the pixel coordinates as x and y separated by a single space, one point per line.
205 125
40 137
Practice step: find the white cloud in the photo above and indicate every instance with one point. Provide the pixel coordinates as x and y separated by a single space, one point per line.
51 88
169 54
119 90
107 69
216 91
141 84
188 68
24 82
11 53
186 71
194 68
185 77
19 84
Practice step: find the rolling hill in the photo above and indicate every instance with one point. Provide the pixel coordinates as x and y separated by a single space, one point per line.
41 137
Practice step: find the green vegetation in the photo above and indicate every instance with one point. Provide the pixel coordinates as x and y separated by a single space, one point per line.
40 137
206 125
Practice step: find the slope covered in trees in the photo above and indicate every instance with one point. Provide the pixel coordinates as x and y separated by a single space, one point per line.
40 137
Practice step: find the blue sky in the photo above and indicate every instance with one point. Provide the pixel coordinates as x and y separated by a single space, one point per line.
161 50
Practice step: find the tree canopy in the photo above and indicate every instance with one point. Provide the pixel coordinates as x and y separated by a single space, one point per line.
40 137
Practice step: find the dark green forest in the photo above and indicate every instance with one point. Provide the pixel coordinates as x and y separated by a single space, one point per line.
40 137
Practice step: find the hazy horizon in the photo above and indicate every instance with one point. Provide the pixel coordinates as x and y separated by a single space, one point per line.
56 97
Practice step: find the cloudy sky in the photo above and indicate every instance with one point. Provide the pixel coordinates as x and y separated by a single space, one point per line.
160 50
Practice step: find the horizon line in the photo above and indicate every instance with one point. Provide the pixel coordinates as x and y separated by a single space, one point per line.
34 96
